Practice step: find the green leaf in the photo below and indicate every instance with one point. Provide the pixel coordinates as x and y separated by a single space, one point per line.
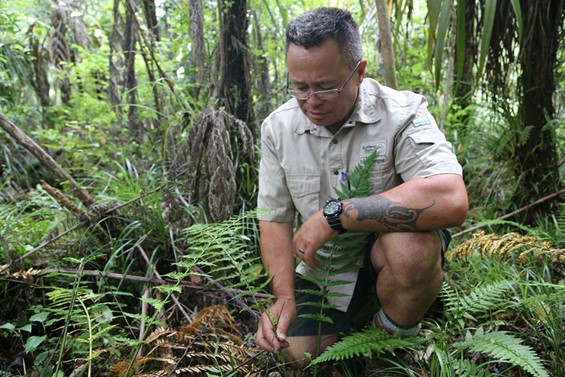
157 304
39 317
488 24
169 288
26 327
443 26
519 19
33 342
8 326
503 345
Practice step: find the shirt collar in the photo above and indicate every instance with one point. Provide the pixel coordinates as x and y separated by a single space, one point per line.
366 106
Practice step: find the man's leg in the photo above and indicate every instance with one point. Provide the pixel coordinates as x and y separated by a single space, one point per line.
302 349
307 335
409 275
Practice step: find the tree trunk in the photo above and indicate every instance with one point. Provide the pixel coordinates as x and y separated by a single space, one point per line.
130 39
385 39
234 82
60 52
115 61
150 13
197 58
39 64
261 68
235 92
464 79
537 164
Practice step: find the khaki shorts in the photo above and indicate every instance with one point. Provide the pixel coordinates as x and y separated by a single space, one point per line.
361 309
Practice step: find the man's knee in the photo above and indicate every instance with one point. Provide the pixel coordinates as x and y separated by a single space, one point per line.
412 256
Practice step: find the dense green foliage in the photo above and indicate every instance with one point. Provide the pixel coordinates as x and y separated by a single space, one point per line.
89 290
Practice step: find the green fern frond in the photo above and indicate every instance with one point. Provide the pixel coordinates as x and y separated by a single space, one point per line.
545 301
482 300
486 297
227 253
319 317
317 304
465 368
359 183
371 341
504 346
341 254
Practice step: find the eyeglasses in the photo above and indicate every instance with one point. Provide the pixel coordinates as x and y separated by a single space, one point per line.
320 94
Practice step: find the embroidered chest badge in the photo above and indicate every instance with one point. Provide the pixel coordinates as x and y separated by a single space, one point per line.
371 146
421 119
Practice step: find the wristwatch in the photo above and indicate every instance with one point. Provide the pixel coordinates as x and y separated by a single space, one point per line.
332 209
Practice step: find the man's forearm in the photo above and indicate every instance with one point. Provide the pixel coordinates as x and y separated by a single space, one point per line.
277 255
419 205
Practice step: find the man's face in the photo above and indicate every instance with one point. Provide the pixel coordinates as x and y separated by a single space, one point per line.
323 68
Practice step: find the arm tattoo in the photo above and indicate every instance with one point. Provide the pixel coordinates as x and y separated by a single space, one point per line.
384 211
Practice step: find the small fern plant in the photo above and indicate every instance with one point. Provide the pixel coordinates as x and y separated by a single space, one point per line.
225 253
504 346
84 319
341 254
475 315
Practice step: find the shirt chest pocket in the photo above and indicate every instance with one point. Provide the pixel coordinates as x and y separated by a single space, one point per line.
304 188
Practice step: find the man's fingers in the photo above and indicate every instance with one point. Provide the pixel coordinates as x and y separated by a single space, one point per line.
307 256
310 259
266 337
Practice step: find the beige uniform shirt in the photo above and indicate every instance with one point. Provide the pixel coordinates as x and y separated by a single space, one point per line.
302 164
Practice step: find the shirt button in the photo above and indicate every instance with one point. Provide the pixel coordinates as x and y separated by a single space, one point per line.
335 141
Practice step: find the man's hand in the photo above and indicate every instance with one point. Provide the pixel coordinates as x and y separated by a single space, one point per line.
274 324
311 236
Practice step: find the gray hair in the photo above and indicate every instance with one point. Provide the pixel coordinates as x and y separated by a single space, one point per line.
314 27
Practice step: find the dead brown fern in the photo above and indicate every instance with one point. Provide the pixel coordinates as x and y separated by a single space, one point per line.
521 248
210 340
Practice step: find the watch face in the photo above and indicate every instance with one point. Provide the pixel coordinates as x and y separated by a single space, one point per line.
332 207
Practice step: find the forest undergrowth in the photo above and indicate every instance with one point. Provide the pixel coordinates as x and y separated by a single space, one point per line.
126 294
128 235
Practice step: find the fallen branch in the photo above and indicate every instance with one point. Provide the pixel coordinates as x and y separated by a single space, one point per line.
74 227
545 198
65 202
42 155
215 287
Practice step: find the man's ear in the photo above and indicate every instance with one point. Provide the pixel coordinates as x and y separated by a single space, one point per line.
361 71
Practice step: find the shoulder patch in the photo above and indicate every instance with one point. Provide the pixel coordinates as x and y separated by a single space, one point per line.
421 119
